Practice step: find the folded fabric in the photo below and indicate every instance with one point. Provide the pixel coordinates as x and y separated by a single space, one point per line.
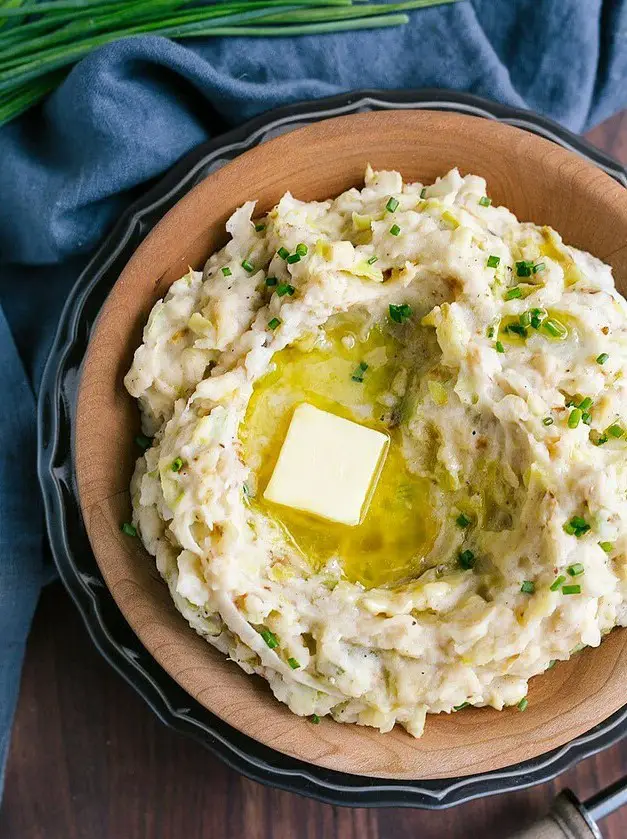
130 110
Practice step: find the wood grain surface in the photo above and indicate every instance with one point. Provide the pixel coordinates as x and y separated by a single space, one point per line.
89 760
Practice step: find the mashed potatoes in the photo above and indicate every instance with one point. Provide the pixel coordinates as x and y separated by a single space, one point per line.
490 354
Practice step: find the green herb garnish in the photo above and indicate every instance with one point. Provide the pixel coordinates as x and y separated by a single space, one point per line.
557 582
571 589
293 258
512 293
548 421
523 268
616 431
274 323
395 230
271 281
226 271
260 227
576 569
539 267
499 347
293 663
601 359
574 418
302 249
285 288
466 559
177 464
315 719
358 374
485 201
462 520
392 205
400 313
372 260
248 266
606 546
283 253
554 328
463 705
128 528
522 705
577 526
423 192
270 638
493 261
528 587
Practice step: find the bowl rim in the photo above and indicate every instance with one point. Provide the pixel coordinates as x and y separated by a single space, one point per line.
70 547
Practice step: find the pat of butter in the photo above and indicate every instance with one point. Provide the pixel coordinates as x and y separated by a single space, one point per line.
327 465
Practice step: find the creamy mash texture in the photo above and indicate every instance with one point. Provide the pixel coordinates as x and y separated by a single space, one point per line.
492 542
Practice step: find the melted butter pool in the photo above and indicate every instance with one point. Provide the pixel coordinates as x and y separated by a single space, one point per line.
398 528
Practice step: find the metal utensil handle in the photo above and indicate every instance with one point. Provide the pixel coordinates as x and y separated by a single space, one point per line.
566 820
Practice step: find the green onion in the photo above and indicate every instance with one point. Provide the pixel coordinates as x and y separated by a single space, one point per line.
525 319
493 261
616 431
293 258
246 265
260 227
128 529
539 267
274 323
551 664
302 249
522 705
270 638
571 589
554 328
246 490
574 418
271 281
392 205
517 329
358 374
293 663
585 403
576 569
547 421
143 442
226 271
177 464
601 359
586 418
537 316
499 347
283 253
315 719
577 526
606 546
423 192
395 230
523 269
557 582
372 260
528 587
463 705
462 520
485 201
512 293
400 313
285 288
466 559
490 332
597 439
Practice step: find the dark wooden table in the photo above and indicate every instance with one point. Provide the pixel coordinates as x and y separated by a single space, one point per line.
90 761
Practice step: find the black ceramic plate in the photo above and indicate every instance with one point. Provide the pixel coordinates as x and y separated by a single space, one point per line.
68 538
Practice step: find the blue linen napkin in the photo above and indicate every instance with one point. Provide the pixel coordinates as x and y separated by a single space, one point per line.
130 110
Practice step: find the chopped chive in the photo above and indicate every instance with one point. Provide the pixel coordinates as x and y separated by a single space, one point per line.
574 417
315 719
423 192
395 230
517 329
463 705
285 288
283 253
615 431
358 374
586 418
246 490
554 328
493 261
143 442
606 546
571 589
537 316
490 332
523 268
177 464
557 582
597 439
293 663
372 260
274 323
551 664
462 520
248 266
392 205
585 403
512 293
466 559
302 249
270 638
548 421
226 271
539 267
293 258
577 526
499 347
400 313
576 569
525 319
601 359
528 587
259 227
270 281
522 705
485 201
128 528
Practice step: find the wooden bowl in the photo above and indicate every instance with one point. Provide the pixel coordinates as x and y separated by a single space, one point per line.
537 180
